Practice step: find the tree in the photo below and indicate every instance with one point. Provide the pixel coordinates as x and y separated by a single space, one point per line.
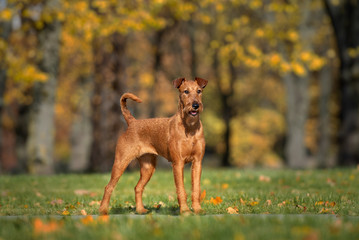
344 16
40 142
5 29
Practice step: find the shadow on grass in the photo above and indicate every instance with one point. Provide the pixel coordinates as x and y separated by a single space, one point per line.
158 210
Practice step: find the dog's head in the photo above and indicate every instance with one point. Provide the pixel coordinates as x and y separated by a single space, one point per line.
191 94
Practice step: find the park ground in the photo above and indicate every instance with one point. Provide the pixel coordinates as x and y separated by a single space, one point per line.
238 204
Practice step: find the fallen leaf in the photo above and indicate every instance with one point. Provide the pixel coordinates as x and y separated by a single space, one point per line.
253 203
81 192
263 178
38 194
87 220
41 227
269 202
319 203
216 200
231 210
225 185
203 195
83 212
331 182
65 213
242 201
103 219
281 204
95 203
304 208
57 201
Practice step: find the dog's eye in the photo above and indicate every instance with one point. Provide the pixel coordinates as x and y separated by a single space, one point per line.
199 91
186 91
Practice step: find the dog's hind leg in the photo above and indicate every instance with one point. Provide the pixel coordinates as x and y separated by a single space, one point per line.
121 162
148 165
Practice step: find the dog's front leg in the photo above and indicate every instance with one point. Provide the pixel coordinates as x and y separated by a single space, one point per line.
196 185
178 167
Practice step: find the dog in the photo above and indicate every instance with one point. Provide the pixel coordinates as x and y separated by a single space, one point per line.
179 139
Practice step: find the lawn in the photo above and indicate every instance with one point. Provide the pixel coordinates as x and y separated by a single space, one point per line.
238 204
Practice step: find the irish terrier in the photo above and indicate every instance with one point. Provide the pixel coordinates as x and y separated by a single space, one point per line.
179 139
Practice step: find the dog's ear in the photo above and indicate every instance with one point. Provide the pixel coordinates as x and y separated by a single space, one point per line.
177 82
201 82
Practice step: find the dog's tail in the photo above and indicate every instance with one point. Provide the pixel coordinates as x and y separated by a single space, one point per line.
126 113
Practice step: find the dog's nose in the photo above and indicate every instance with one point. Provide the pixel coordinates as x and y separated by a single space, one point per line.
195 105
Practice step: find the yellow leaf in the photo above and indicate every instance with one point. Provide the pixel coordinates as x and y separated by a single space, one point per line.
274 59
305 56
225 185
293 35
231 210
6 14
65 213
298 69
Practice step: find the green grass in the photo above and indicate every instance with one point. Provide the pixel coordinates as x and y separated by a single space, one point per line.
327 201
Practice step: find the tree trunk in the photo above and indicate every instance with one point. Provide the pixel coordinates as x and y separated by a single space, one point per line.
81 130
345 21
40 142
227 108
106 112
325 83
297 113
5 29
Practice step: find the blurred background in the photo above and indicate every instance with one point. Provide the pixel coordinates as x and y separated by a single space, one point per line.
283 79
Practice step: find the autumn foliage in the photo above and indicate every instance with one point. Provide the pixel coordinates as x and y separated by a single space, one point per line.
246 49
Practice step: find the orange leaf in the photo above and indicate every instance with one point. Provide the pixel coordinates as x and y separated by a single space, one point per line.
87 220
253 203
41 227
203 195
103 219
231 210
269 202
225 185
242 201
216 200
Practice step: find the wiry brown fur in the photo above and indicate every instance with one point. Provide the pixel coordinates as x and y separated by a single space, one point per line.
178 138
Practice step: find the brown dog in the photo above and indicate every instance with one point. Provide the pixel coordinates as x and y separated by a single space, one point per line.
179 139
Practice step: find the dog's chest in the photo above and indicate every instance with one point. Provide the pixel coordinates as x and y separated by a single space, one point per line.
189 149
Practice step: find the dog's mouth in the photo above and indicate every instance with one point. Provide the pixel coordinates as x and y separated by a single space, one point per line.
193 113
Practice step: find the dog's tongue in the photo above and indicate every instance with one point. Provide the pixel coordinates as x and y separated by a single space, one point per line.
193 113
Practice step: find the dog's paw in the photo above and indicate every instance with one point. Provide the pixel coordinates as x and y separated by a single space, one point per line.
141 211
103 211
199 211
